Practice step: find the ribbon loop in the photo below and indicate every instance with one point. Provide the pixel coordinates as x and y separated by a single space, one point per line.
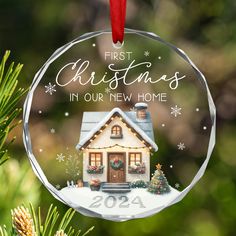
117 14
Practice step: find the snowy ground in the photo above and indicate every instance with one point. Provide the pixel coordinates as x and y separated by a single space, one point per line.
136 202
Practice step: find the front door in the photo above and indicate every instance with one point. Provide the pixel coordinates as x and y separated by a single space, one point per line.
116 175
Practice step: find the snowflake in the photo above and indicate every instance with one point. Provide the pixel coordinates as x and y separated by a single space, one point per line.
40 150
132 109
50 88
58 186
67 114
175 111
146 53
60 157
204 127
94 45
163 125
171 166
177 185
107 90
159 57
197 109
181 146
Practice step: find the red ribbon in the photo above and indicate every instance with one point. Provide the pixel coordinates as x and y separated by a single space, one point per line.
117 13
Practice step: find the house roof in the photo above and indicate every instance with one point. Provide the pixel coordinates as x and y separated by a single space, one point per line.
92 122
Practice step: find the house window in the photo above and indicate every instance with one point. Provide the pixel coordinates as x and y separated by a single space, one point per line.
116 131
95 158
135 158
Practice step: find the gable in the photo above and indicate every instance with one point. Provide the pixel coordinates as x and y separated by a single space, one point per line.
128 139
91 119
94 122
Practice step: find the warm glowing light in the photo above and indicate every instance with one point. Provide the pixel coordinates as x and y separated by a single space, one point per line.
119 146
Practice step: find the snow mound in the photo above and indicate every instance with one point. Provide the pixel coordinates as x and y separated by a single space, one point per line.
138 201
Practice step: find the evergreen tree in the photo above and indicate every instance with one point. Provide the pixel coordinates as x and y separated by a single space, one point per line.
159 183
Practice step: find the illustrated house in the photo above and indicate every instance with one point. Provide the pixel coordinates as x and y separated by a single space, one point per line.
109 137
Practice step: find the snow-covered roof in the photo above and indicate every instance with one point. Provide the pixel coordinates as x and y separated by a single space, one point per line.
141 105
92 122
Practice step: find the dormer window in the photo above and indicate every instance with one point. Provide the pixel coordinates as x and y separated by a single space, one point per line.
116 132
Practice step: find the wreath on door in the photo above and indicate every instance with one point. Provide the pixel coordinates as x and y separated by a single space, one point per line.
116 164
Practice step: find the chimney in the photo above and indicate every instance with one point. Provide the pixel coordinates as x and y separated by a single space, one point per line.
141 110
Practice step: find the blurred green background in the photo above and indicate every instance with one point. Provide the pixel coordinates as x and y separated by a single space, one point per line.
205 29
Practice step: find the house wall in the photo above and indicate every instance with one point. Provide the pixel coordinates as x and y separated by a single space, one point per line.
128 140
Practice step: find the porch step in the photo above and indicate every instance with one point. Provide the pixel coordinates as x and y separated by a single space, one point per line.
116 188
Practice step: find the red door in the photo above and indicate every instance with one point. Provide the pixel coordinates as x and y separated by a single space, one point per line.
116 176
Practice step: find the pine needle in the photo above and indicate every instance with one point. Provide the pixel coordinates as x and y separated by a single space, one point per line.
88 231
9 98
26 222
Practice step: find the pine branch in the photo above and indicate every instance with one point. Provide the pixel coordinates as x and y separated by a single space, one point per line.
9 98
26 222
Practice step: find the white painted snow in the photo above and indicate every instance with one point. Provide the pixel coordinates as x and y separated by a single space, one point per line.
138 201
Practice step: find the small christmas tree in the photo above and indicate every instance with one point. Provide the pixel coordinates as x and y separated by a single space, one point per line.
159 183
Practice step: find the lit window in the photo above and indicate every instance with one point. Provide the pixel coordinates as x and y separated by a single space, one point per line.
95 159
135 158
116 131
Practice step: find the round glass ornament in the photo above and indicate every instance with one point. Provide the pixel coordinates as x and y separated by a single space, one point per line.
99 119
